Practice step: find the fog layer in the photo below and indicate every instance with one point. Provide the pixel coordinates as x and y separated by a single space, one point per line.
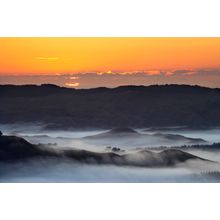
93 140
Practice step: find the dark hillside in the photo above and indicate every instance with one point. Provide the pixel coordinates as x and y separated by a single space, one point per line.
127 106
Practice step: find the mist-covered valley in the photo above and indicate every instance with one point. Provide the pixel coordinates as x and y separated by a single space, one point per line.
133 155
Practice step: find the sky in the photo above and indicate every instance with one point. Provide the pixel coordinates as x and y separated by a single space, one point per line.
92 62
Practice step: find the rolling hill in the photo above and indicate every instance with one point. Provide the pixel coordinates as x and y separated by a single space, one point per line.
126 106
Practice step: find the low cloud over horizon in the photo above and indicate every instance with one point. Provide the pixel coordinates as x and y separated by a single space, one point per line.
202 77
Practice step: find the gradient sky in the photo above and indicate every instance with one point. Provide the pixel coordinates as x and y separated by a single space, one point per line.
164 57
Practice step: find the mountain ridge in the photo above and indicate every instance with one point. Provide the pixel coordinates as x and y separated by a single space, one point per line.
14 149
124 106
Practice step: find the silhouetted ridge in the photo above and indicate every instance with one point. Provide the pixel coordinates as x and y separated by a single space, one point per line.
32 90
14 149
179 137
128 136
125 106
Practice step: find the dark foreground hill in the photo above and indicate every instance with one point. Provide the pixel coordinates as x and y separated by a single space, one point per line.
127 106
14 149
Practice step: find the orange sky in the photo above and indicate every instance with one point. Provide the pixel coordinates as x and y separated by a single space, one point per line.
73 55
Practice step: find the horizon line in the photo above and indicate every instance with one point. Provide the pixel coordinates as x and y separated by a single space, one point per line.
105 87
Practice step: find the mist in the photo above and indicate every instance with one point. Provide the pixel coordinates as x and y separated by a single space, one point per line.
52 170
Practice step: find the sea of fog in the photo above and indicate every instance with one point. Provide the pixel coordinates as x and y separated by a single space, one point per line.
54 171
57 172
35 134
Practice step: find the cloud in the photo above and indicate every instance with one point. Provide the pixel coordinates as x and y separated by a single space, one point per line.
76 84
183 72
203 77
74 77
191 72
47 58
152 72
106 72
178 72
208 72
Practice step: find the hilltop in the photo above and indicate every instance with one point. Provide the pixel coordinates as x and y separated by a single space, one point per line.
14 149
125 106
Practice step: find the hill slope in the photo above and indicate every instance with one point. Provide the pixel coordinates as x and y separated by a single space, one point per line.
13 149
127 106
127 136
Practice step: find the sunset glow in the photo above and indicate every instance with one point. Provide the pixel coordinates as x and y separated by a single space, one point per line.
74 55
72 62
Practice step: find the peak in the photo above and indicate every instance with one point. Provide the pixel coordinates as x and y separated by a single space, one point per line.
122 130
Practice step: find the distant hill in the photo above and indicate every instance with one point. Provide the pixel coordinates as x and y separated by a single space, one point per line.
128 136
115 133
126 106
13 149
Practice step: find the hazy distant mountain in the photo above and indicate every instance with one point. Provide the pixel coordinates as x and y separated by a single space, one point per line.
127 106
116 133
177 137
128 136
